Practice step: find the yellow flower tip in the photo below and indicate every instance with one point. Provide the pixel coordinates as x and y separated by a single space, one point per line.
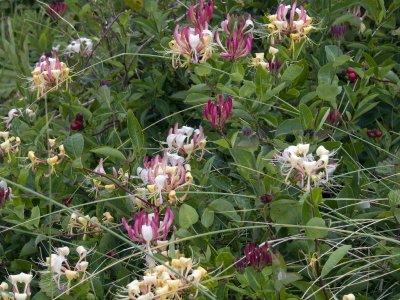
172 197
61 150
294 36
173 284
271 27
307 29
176 263
349 297
188 177
151 188
31 156
52 161
71 275
52 142
110 187
108 218
203 271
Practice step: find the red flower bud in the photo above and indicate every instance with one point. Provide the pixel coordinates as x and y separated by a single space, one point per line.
378 133
371 133
67 201
76 125
352 76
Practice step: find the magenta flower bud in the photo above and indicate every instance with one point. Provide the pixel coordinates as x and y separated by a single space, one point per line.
201 15
239 38
5 192
218 113
338 31
333 118
56 9
274 66
258 257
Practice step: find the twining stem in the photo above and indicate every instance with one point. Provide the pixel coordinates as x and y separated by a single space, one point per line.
318 271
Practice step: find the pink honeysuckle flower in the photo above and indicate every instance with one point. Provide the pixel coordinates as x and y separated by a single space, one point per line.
297 27
56 9
166 174
191 44
217 113
49 74
239 38
186 140
201 14
147 228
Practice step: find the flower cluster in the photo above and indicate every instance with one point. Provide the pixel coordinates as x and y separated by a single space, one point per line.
296 28
165 174
306 167
49 74
194 44
87 224
273 65
239 38
55 157
9 145
60 267
218 112
21 278
148 229
82 46
186 140
258 256
338 31
17 112
162 283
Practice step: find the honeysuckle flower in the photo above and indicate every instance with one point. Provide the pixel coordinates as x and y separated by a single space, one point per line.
201 14
15 113
217 113
190 45
147 228
5 193
107 218
162 282
21 278
164 174
349 297
258 256
295 28
259 61
49 74
307 167
10 145
82 46
184 141
4 294
239 38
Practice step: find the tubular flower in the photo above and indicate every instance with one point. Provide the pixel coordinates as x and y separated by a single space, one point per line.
16 113
5 193
162 283
10 144
194 45
273 65
60 267
201 14
147 228
86 225
296 28
218 113
258 256
18 279
165 174
239 38
316 171
185 141
49 74
82 46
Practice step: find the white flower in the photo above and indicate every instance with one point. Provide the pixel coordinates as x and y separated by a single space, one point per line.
194 41
18 296
83 266
309 167
321 150
147 233
273 51
63 251
303 149
81 251
349 297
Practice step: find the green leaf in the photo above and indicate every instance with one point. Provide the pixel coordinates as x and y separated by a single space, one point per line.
108 151
135 132
207 218
202 69
292 72
334 259
288 126
260 81
224 207
323 115
394 198
74 145
316 233
306 117
328 92
187 216
316 196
